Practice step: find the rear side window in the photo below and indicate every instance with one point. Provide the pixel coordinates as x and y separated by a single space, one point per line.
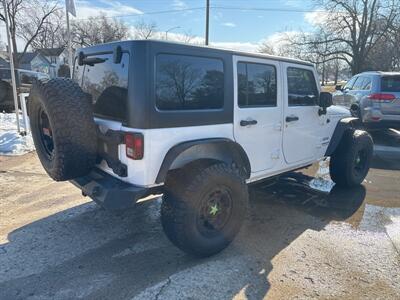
302 89
189 82
350 83
107 84
390 84
362 84
256 85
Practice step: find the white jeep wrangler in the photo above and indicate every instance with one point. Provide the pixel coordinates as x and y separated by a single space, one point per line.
193 123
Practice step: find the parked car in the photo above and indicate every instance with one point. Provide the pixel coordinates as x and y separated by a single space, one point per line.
374 97
193 123
23 78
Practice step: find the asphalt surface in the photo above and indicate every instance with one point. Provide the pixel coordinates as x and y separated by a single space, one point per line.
297 242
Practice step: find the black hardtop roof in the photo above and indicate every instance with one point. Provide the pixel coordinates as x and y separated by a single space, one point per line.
128 44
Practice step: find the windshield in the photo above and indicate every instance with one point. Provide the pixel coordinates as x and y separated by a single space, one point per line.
390 84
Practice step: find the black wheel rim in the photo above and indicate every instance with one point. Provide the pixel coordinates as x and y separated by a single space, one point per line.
215 211
360 161
46 133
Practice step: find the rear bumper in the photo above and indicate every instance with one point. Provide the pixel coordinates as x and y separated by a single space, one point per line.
374 118
110 192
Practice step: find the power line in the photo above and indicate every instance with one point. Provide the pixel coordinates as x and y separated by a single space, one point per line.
150 13
266 9
244 9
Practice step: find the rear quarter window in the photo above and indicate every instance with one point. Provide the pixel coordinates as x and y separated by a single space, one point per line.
107 85
186 82
390 84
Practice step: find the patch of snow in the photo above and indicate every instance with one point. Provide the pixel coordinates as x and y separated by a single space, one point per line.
322 180
322 184
11 142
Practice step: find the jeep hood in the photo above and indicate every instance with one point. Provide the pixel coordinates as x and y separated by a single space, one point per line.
336 110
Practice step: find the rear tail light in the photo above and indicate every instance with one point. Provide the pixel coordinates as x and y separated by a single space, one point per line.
382 98
134 145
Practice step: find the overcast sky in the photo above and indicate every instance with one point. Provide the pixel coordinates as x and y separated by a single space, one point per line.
240 24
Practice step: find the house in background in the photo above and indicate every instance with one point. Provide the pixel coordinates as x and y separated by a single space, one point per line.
35 61
47 60
56 56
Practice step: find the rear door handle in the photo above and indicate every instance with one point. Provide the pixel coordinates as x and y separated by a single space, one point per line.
248 122
292 118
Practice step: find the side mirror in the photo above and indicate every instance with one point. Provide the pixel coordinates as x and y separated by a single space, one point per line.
325 100
338 87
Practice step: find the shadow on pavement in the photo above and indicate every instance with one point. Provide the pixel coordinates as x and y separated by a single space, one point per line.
386 149
86 252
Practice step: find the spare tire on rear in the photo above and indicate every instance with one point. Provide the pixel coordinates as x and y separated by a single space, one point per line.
63 128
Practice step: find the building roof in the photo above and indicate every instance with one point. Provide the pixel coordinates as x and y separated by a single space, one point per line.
27 57
51 51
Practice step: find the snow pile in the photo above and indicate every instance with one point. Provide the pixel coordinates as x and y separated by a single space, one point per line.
322 180
11 142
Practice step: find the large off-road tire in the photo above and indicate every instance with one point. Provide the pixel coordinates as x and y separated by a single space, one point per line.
63 128
204 208
349 164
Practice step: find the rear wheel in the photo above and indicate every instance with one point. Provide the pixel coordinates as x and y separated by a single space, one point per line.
349 164
203 209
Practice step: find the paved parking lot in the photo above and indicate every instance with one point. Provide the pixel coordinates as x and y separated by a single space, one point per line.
297 242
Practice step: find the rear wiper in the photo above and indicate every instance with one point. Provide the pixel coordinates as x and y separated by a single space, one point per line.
91 61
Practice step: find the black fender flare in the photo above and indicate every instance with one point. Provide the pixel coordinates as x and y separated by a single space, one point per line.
221 149
341 127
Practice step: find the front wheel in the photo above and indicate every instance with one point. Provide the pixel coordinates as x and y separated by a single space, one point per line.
203 209
349 164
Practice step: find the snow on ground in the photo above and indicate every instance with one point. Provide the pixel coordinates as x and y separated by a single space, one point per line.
11 142
322 180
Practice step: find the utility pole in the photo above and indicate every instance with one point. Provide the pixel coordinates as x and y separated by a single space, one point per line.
12 70
70 60
70 9
207 20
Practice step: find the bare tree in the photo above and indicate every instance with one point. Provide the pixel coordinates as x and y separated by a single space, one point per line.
27 19
352 29
53 33
267 48
314 48
385 55
145 31
98 30
186 37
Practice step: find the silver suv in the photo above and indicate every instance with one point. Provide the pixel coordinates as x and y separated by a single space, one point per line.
374 97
